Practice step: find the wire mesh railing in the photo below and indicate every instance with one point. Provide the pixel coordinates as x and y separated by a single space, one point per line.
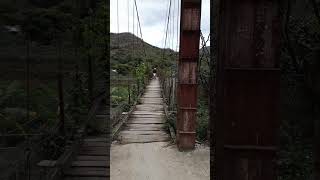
125 91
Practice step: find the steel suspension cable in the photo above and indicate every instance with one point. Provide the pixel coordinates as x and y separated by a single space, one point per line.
166 34
170 27
164 27
173 27
133 33
169 32
178 17
128 8
118 24
139 24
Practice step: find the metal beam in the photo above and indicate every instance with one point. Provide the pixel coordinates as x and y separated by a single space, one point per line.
187 73
248 78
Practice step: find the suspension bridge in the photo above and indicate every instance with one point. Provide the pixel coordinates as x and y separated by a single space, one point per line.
243 108
244 97
142 141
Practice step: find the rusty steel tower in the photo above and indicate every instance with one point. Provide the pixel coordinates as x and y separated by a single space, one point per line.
248 80
187 73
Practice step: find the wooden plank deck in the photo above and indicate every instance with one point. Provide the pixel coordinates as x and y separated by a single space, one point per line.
146 123
93 160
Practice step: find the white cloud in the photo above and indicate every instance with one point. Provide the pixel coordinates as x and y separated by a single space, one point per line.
153 14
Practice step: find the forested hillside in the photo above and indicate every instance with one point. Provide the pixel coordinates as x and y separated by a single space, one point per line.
128 50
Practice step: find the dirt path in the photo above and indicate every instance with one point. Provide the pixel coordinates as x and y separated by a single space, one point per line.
142 151
155 161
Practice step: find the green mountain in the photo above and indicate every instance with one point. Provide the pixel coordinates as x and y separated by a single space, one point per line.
128 50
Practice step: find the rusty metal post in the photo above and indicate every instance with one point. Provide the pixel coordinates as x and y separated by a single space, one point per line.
187 73
248 79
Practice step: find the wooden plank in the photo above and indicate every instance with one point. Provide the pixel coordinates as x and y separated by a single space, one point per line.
153 105
149 108
84 178
151 99
150 118
95 152
143 139
148 111
144 126
151 96
146 116
134 133
146 129
152 102
93 148
155 113
87 172
96 139
93 158
90 164
96 144
146 121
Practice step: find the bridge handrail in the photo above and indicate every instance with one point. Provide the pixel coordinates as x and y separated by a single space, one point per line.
116 125
28 146
66 158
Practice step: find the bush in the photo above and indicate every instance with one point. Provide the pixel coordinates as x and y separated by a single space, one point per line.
172 120
119 95
126 107
202 121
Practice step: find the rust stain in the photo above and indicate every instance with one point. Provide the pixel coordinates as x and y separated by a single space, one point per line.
248 94
187 74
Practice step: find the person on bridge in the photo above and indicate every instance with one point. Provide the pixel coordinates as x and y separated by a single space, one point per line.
154 73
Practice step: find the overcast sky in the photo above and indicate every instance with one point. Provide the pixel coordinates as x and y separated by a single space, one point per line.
153 15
